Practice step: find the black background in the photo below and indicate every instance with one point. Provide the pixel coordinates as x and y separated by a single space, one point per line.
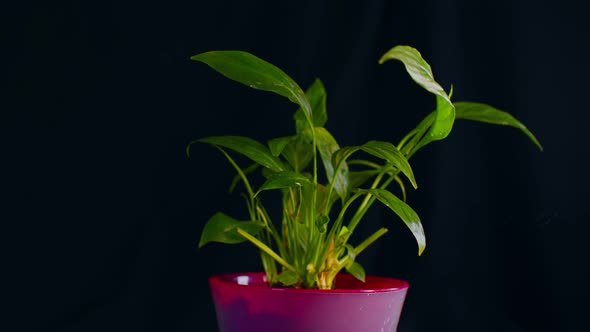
101 209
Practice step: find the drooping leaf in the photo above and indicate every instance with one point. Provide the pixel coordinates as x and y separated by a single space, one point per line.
249 148
327 145
285 179
222 228
256 73
389 152
379 149
277 145
356 270
288 278
405 212
316 94
421 73
486 113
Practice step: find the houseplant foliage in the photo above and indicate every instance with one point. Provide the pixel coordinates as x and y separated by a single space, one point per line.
325 189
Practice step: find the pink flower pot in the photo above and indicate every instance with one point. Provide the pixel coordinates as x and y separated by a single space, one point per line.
244 303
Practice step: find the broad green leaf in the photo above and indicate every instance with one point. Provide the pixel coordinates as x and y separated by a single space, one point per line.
356 270
327 145
285 179
222 228
249 148
256 73
421 73
405 212
316 94
288 278
486 113
379 149
298 153
277 145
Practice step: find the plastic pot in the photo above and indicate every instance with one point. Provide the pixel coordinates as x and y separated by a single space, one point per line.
245 303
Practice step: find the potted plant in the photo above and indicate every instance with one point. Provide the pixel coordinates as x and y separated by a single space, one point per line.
325 192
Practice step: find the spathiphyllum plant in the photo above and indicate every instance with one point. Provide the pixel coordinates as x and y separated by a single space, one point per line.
325 189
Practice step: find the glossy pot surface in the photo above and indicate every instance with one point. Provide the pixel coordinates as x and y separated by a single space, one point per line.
245 303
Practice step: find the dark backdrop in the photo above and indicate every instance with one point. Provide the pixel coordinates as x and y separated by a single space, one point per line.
101 210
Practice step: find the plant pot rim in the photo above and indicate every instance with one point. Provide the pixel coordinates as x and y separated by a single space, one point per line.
345 284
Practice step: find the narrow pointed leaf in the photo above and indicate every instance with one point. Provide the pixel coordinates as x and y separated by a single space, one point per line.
405 212
222 228
486 113
421 73
256 73
383 150
249 148
285 179
288 278
316 94
277 145
357 271
389 152
327 145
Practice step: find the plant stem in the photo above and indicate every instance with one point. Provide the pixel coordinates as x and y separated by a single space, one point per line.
266 249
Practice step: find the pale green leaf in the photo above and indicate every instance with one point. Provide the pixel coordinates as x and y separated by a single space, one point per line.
256 73
327 145
249 148
288 278
356 270
285 179
379 149
222 228
405 212
486 113
277 145
421 73
316 94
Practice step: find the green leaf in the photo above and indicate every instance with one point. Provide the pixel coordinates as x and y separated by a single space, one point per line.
421 73
238 177
356 270
389 152
277 145
256 73
321 221
418 136
383 150
285 179
222 228
298 153
249 148
316 94
486 113
288 278
327 145
404 211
